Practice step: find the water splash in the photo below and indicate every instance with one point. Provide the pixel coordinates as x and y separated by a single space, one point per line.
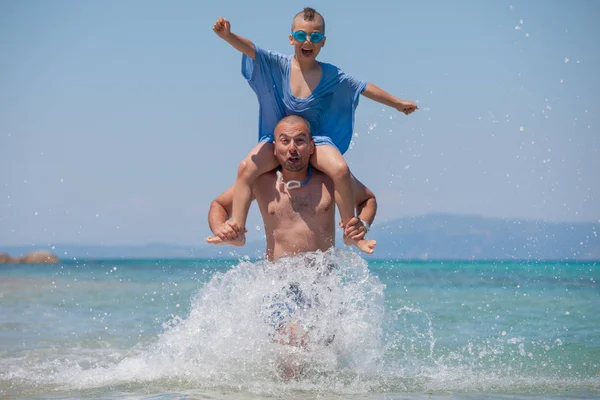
232 337
349 342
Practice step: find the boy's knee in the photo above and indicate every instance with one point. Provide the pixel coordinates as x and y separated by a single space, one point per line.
246 169
340 171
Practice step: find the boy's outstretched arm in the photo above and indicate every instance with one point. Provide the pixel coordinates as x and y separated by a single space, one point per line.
381 96
223 28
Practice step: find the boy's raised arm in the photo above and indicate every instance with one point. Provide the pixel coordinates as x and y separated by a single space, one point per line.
223 29
381 96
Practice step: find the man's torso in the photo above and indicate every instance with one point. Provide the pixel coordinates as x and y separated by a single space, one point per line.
297 220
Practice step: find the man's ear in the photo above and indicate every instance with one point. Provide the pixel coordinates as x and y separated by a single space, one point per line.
323 41
291 39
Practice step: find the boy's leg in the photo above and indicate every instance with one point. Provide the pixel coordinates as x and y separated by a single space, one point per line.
260 160
330 161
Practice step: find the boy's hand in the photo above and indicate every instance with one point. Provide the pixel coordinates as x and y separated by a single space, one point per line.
406 106
222 28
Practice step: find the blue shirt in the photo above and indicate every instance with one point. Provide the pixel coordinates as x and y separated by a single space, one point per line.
329 108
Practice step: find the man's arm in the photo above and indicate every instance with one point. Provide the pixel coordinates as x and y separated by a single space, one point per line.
381 96
218 220
366 208
223 28
366 203
220 210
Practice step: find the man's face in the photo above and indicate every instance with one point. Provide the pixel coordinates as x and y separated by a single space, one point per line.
293 146
307 50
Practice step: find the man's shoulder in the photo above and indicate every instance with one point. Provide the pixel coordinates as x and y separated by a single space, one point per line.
322 178
264 180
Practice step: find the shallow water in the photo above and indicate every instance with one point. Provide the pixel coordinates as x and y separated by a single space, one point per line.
387 329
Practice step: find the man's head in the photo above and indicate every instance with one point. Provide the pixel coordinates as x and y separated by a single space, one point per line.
310 22
293 143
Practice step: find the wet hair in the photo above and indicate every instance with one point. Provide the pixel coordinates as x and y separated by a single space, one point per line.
294 119
309 14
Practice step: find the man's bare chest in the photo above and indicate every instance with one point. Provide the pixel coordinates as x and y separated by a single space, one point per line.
307 204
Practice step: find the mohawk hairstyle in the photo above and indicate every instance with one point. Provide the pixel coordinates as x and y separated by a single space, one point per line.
309 14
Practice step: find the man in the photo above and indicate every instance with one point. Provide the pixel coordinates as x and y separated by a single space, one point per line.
296 202
298 208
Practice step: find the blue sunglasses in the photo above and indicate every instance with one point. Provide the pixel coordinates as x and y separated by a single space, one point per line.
315 37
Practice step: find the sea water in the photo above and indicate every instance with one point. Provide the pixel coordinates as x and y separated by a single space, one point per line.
378 329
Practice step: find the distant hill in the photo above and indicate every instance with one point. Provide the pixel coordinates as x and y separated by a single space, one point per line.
433 236
444 236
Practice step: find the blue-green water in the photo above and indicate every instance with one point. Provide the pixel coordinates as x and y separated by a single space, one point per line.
203 329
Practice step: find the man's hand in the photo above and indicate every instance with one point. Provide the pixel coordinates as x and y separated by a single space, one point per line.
227 231
222 28
355 229
406 106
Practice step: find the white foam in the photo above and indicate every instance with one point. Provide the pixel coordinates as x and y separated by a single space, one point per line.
227 340
226 343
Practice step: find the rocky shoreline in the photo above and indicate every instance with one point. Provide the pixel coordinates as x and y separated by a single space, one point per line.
35 257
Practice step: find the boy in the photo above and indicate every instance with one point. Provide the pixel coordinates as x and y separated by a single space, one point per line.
319 92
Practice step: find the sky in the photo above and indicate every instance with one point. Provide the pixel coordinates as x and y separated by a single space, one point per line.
121 120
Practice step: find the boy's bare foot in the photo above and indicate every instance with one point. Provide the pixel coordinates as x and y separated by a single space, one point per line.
364 245
239 241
